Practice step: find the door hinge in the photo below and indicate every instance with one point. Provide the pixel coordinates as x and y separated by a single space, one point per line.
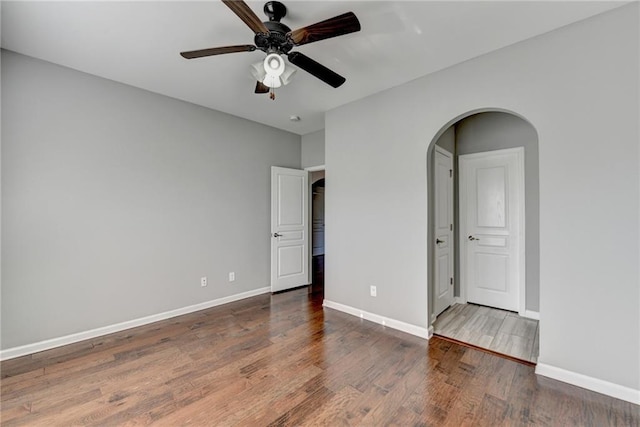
451 281
450 173
450 227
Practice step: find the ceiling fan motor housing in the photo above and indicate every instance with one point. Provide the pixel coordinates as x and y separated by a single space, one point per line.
276 39
275 10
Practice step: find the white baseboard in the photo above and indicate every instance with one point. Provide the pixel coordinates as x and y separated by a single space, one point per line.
24 350
384 321
531 315
590 383
459 300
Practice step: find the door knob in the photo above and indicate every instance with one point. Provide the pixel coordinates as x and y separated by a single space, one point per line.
471 238
277 235
438 241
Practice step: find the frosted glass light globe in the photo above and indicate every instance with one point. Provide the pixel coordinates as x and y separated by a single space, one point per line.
274 65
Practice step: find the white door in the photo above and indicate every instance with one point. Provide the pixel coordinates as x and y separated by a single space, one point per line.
492 228
443 230
289 228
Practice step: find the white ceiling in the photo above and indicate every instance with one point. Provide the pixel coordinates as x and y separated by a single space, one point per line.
137 43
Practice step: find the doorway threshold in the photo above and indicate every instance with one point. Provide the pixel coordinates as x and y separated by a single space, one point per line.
486 350
490 329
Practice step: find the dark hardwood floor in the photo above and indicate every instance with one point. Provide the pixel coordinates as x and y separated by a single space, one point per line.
284 360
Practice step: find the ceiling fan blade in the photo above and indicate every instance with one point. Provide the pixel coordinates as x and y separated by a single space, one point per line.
245 13
217 51
261 88
316 69
333 27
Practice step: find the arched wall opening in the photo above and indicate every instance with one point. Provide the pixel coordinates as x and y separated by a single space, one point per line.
483 131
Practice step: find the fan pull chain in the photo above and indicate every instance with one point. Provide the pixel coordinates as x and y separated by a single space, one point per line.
272 94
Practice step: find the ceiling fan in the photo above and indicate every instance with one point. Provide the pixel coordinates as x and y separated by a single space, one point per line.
276 40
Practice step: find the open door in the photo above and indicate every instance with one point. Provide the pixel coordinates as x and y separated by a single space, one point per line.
289 228
443 232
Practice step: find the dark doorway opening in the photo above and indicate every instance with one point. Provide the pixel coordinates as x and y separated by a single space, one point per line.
317 236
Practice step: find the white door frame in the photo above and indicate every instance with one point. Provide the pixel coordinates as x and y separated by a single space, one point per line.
315 168
462 203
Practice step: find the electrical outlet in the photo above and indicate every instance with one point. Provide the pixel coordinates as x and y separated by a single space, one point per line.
203 281
373 291
232 276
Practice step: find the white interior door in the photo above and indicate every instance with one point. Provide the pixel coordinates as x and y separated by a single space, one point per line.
443 183
289 228
492 228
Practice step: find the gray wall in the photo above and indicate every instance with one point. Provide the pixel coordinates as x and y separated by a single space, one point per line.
448 140
115 201
579 88
496 131
313 149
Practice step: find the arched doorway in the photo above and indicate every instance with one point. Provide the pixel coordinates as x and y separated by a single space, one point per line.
469 317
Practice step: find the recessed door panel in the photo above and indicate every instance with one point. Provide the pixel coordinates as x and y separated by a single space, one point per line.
491 271
290 209
287 236
443 275
495 242
443 170
491 196
290 260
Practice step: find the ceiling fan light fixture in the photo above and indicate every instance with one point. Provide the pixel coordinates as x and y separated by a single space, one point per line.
272 81
258 72
287 75
274 65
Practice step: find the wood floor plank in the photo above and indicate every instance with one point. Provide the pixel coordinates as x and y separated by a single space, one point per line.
285 360
492 411
405 417
513 345
332 412
535 349
433 399
396 395
303 411
294 401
